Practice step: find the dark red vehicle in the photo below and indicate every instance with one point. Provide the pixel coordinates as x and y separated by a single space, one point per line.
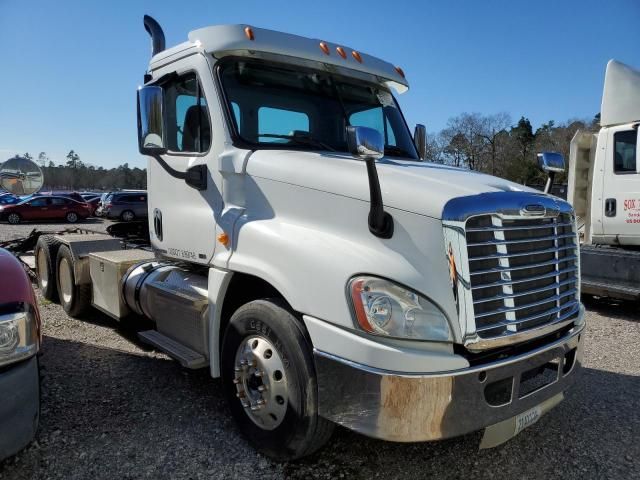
20 338
46 208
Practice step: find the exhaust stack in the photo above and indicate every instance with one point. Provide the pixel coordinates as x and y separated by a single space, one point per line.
154 29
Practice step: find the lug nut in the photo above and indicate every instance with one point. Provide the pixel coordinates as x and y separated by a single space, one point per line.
246 404
262 388
261 401
236 381
258 373
240 395
255 407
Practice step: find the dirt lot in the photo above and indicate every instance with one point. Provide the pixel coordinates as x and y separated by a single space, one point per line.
112 408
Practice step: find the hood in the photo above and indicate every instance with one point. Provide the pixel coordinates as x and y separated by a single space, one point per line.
418 187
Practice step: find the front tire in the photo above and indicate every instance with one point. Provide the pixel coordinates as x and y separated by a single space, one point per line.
270 382
14 218
75 299
46 253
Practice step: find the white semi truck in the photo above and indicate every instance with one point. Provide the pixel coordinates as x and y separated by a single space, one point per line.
301 250
604 188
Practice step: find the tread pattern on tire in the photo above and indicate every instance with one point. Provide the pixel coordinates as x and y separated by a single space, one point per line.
81 297
49 246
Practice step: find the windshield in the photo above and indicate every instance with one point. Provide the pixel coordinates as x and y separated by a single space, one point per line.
282 107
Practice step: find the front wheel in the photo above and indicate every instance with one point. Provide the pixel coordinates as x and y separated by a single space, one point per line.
14 218
270 382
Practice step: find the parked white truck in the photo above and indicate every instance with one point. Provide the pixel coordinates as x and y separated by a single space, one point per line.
604 188
301 250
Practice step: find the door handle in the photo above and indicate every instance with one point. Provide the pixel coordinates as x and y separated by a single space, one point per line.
610 207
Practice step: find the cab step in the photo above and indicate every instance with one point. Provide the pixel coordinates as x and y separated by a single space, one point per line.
188 358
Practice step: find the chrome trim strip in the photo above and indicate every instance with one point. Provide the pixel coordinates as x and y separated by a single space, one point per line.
523 240
527 305
524 254
553 286
479 344
509 229
524 280
524 267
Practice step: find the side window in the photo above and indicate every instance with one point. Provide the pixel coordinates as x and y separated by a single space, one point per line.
624 160
374 118
276 121
187 115
236 113
59 201
38 202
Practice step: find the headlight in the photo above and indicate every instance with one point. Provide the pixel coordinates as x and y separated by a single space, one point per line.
384 308
18 337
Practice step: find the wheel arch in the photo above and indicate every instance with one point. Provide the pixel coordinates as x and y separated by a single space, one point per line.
228 291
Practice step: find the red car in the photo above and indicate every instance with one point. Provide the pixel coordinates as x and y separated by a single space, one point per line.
46 208
20 338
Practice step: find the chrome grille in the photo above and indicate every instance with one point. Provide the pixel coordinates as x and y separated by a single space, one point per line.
523 272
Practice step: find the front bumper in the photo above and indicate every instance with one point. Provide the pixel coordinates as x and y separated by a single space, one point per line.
418 407
19 406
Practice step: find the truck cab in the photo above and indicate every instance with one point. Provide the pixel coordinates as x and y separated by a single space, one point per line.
303 251
604 188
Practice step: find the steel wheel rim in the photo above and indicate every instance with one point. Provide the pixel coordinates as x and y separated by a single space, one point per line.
261 382
13 218
66 281
43 271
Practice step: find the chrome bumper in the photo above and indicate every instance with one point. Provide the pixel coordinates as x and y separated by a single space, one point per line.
418 407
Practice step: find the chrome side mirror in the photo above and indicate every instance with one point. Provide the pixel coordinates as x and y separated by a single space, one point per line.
365 142
551 162
420 140
21 176
151 132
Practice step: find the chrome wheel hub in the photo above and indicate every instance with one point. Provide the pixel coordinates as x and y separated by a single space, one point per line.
261 384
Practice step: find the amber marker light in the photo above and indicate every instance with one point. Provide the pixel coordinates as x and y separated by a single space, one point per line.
223 238
248 31
357 56
341 52
324 47
400 72
357 290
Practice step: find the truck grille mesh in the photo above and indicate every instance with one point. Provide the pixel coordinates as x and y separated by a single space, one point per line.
523 272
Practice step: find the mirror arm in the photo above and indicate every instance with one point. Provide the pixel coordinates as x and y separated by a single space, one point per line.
550 179
195 176
380 222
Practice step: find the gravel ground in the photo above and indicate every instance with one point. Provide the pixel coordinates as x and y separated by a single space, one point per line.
112 408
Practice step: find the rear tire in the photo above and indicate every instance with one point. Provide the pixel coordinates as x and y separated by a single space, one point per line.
46 253
72 217
75 299
276 410
127 216
14 218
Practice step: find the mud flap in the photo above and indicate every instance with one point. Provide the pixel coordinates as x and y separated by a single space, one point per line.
499 433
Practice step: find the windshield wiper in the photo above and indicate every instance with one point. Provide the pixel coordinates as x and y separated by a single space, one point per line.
301 139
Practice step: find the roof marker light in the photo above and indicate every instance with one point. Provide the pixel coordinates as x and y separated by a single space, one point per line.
357 56
324 47
248 31
223 238
341 52
400 72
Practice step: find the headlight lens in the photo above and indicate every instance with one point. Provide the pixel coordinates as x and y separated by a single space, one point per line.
18 337
384 308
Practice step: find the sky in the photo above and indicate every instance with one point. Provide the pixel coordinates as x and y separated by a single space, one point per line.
69 69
